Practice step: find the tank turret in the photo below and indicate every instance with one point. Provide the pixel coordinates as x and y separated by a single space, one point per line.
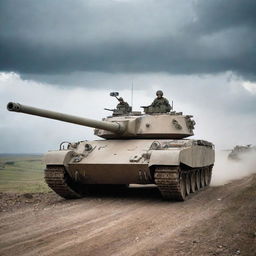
166 126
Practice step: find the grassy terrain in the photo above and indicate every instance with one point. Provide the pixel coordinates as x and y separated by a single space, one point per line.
22 174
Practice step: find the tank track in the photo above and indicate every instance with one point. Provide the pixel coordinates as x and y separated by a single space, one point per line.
176 184
59 181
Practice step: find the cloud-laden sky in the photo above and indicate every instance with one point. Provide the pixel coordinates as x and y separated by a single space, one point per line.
177 37
68 55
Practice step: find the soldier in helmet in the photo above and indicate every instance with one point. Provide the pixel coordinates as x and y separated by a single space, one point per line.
161 103
123 106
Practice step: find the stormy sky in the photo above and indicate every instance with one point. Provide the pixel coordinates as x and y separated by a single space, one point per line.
67 55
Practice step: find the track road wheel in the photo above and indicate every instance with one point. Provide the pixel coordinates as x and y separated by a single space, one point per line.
197 175
202 181
182 196
187 182
210 174
192 181
207 176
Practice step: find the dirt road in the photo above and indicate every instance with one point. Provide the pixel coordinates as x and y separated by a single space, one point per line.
217 221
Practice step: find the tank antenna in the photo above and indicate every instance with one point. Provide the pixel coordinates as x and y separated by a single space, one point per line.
172 105
132 94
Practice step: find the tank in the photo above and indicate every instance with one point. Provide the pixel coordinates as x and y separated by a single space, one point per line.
239 151
136 149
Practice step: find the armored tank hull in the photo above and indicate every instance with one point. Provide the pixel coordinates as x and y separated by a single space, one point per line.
138 149
178 167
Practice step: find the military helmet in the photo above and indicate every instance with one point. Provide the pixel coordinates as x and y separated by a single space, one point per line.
121 99
159 92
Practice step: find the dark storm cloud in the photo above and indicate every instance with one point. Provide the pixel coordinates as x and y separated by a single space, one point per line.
216 15
178 37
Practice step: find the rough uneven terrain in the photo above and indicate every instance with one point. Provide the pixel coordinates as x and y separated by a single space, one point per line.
217 221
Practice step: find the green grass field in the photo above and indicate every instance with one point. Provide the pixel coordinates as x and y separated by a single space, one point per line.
22 174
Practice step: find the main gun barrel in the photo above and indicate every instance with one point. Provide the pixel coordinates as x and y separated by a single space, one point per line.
109 126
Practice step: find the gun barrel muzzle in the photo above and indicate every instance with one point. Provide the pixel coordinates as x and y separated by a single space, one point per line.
11 106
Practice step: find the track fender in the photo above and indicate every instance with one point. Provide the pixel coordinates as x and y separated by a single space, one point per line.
197 156
164 157
61 157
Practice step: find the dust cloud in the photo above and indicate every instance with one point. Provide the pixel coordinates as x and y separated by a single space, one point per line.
226 170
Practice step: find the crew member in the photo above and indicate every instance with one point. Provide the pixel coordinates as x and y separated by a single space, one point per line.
161 103
123 106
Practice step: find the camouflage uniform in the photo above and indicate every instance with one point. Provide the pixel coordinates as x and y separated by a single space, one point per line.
123 107
160 103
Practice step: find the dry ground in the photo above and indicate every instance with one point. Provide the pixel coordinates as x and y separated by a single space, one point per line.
217 221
